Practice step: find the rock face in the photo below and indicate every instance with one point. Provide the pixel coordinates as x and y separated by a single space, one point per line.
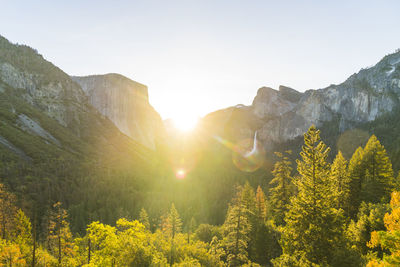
285 114
59 97
126 104
44 113
270 102
33 127
44 87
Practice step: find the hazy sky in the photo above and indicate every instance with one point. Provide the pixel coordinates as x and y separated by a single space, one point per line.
199 56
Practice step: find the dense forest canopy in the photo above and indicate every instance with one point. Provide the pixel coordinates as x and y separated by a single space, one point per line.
317 212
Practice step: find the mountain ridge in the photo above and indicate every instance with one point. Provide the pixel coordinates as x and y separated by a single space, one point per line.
285 114
55 146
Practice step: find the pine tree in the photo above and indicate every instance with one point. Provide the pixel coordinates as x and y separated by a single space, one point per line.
265 241
216 251
250 207
174 223
369 219
379 179
356 175
261 211
280 193
313 225
21 233
172 226
8 211
237 228
144 219
60 237
191 228
341 182
249 201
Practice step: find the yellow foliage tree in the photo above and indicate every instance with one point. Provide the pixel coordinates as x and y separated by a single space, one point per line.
10 254
60 236
390 239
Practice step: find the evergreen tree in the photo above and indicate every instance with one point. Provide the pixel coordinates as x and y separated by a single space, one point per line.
144 219
249 200
8 211
261 207
356 175
172 226
60 237
341 182
21 233
216 249
262 237
369 219
237 228
280 193
313 226
173 223
379 179
250 207
191 228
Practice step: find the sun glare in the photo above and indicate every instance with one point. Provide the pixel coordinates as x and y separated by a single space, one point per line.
180 173
185 123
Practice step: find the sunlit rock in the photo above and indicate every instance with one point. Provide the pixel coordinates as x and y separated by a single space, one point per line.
126 104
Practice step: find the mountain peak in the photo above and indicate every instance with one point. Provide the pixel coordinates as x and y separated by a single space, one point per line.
126 103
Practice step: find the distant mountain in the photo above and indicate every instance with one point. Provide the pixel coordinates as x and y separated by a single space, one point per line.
126 104
55 146
282 115
347 114
39 99
95 143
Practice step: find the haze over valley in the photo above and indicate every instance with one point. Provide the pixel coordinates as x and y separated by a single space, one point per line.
185 135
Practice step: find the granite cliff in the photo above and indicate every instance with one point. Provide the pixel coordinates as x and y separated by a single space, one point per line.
282 115
45 113
126 104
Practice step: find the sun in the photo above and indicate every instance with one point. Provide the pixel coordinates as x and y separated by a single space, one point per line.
180 174
185 123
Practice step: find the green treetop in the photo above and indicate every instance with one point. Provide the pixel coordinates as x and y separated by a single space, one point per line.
144 219
313 225
341 182
237 228
379 179
279 194
356 175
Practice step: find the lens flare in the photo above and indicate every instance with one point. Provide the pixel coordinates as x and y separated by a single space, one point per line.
248 158
248 155
180 173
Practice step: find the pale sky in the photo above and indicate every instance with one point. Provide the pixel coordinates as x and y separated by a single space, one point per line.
200 56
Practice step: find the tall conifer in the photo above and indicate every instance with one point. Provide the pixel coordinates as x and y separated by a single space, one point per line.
144 219
237 228
313 225
356 175
379 179
261 206
282 189
173 223
60 237
341 182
